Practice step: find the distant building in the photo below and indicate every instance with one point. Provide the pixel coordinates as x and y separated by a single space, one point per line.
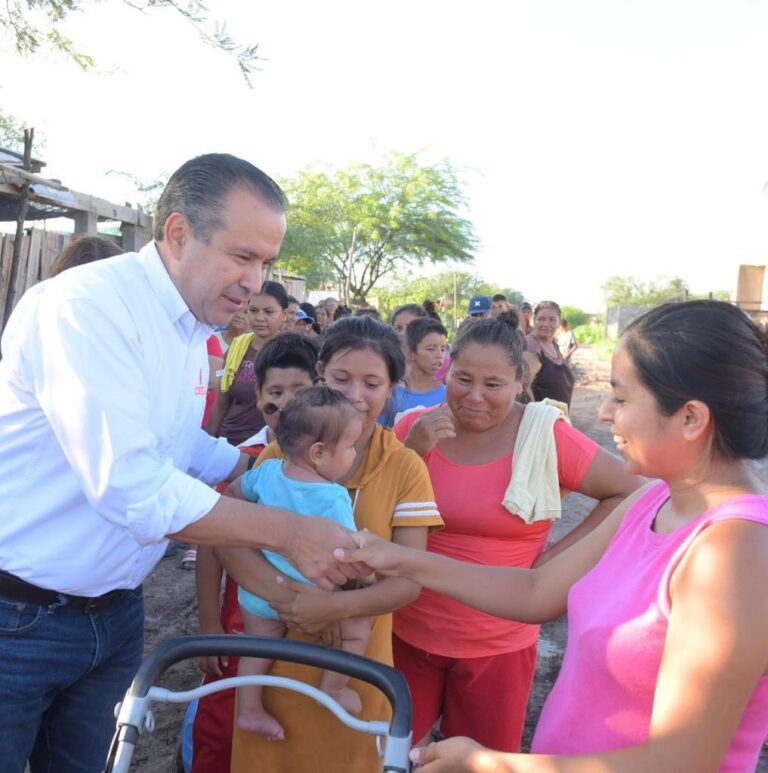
752 289
295 284
620 317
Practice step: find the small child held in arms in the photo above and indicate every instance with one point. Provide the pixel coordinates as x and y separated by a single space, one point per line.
285 365
426 343
317 432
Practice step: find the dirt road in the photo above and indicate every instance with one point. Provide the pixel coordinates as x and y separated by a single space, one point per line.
171 608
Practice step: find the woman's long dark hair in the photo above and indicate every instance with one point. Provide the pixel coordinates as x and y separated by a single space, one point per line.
709 351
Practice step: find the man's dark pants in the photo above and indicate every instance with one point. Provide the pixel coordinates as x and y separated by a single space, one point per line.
62 670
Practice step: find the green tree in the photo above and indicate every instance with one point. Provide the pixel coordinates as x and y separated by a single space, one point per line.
450 290
438 288
620 290
11 133
515 297
36 24
575 316
357 225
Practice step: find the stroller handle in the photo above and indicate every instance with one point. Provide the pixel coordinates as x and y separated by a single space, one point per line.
390 681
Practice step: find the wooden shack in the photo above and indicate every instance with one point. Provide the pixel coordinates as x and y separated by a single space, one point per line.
24 189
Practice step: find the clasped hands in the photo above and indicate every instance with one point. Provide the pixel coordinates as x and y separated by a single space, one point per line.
311 609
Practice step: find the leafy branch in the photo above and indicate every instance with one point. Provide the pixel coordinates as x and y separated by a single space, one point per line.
34 23
213 34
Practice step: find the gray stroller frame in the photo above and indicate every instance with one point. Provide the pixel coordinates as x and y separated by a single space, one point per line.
134 714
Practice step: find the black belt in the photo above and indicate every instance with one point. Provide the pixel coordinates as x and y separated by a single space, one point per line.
20 590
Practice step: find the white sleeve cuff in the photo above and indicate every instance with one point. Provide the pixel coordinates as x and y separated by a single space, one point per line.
213 459
180 501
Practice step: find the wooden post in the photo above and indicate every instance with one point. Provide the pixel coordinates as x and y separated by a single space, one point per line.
29 135
6 250
86 223
129 240
134 237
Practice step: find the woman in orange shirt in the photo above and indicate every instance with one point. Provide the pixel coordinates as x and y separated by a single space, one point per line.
472 669
392 497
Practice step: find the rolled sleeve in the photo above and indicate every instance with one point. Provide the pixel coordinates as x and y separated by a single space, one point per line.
180 501
213 459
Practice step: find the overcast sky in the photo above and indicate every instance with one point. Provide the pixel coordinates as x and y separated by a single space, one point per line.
594 138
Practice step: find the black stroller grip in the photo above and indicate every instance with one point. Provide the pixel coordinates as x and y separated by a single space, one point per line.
390 681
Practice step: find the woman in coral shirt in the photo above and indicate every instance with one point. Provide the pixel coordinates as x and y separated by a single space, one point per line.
472 669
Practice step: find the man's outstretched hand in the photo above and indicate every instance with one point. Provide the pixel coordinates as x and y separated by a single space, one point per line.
310 548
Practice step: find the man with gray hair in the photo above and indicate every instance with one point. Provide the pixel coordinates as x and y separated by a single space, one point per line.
102 391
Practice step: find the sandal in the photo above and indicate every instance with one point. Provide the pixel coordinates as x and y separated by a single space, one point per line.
189 559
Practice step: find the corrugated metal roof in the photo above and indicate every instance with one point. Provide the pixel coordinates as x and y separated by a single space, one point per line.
12 158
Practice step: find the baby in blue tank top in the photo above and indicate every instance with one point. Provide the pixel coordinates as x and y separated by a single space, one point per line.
317 432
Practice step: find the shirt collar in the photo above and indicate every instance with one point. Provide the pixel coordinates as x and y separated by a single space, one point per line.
261 438
168 294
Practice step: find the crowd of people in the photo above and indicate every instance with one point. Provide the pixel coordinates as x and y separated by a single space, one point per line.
373 486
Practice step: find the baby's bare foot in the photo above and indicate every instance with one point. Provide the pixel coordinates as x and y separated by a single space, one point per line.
263 724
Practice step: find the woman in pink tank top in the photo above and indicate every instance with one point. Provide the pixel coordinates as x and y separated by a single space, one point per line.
666 667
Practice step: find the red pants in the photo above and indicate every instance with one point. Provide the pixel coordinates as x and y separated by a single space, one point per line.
213 726
483 698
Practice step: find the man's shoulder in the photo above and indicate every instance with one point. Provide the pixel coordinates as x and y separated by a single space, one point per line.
113 276
111 297
74 295
108 285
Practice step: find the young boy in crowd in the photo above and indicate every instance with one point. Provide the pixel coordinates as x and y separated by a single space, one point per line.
286 364
426 342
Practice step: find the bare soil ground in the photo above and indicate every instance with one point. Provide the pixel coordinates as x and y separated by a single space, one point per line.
171 605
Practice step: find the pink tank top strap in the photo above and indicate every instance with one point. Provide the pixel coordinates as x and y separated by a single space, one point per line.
748 507
637 515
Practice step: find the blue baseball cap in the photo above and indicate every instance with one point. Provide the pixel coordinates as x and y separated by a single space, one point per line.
479 304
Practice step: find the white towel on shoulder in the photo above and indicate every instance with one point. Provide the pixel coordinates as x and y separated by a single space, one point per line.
533 493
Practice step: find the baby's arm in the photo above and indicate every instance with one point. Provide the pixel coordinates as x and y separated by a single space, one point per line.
235 491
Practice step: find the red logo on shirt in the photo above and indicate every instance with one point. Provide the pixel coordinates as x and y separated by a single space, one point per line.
200 389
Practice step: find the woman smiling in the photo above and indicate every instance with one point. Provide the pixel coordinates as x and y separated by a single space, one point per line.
235 414
474 669
665 667
392 497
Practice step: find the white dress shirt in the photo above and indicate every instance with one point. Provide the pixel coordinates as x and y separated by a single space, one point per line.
102 391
